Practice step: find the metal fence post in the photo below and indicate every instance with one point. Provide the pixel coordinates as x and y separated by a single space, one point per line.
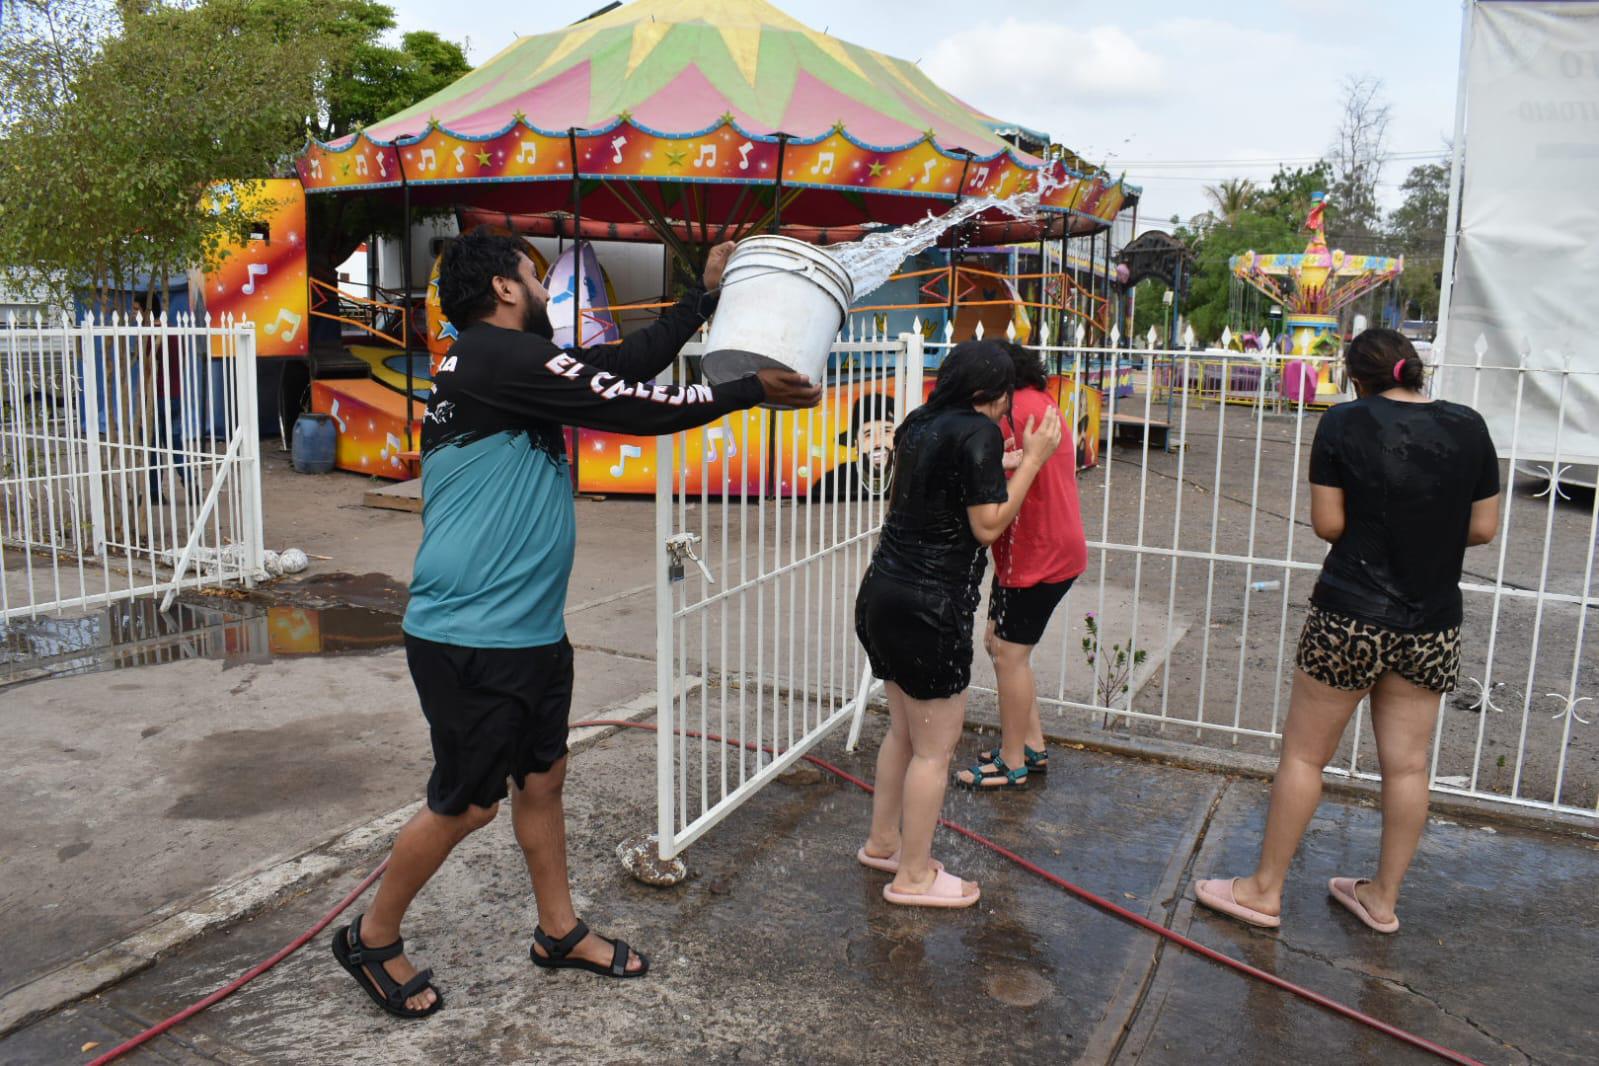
249 461
89 376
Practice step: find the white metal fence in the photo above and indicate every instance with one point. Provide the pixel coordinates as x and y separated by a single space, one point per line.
766 522
129 461
1200 569
1202 558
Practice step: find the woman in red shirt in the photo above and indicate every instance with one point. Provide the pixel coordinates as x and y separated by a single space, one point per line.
1036 560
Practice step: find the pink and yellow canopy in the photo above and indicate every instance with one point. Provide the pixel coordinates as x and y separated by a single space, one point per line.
699 110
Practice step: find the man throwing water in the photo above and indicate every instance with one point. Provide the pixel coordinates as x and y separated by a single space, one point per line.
485 635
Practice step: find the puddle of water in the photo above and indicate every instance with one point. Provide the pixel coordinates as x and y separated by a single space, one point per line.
136 633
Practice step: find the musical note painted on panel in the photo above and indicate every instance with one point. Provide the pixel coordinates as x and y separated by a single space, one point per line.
316 167
361 164
979 176
284 331
823 164
252 271
392 447
629 451
927 170
616 148
334 414
744 151
430 161
528 153
460 160
707 156
383 165
712 436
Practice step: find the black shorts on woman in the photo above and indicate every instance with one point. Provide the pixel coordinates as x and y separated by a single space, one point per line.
916 605
1389 594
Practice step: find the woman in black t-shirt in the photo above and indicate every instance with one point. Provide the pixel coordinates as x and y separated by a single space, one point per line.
949 500
1400 485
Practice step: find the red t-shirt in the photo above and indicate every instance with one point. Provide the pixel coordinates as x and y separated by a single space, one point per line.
1045 543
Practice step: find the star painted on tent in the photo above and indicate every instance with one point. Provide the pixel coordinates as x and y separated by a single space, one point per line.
877 168
483 158
519 115
675 157
345 170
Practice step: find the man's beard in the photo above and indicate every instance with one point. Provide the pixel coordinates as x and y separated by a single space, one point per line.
536 319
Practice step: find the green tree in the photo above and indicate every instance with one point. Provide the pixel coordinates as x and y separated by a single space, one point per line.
104 183
1231 198
1416 229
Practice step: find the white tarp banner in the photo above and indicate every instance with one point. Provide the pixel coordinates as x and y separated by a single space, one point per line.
1527 255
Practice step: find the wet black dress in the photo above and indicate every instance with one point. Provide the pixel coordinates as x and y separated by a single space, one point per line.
915 606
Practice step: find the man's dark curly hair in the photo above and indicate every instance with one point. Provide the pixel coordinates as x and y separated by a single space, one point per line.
466 277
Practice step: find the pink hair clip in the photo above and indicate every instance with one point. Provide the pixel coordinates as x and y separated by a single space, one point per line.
1397 368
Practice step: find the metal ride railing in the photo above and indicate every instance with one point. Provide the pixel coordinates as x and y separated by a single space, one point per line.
765 523
1203 559
129 461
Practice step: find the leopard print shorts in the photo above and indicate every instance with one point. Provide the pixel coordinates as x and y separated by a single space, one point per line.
1352 655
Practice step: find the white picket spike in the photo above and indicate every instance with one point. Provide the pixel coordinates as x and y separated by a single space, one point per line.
916 325
1010 331
1082 334
978 332
1265 339
949 331
1043 332
1188 337
1115 336
1480 346
1151 336
1226 336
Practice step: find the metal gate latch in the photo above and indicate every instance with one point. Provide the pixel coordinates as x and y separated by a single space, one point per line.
680 546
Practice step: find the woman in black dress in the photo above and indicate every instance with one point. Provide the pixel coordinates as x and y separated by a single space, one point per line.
1400 485
948 502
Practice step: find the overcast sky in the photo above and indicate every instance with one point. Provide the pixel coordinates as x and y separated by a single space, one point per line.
1179 94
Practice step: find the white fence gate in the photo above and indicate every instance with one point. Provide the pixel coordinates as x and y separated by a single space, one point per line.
1201 563
129 462
759 555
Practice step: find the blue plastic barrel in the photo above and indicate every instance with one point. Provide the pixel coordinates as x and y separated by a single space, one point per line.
315 438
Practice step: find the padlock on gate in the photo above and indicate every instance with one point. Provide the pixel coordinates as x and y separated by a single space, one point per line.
678 548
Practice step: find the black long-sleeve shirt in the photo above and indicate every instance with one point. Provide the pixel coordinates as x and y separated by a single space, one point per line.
498 380
498 525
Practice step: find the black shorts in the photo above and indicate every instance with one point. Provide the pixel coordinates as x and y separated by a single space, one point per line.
918 638
492 713
1020 616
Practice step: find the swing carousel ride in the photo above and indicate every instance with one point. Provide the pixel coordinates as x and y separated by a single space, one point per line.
1313 287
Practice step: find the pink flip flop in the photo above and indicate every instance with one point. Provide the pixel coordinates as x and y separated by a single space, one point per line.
889 865
1217 894
944 892
1342 889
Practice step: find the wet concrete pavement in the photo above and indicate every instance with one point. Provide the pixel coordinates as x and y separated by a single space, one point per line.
780 948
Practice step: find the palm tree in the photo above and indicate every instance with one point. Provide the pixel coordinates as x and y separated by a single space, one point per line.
1231 198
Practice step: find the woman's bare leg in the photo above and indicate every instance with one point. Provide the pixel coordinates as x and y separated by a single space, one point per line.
1317 715
1402 719
1018 698
889 787
935 729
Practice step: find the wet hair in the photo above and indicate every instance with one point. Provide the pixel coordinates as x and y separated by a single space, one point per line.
466 276
1380 359
1030 372
974 373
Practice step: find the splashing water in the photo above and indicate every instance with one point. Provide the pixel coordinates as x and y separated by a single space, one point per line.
870 262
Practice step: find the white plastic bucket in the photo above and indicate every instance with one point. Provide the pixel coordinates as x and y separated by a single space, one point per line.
782 304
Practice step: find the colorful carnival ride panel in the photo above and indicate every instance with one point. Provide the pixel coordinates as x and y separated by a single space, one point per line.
263 277
371 424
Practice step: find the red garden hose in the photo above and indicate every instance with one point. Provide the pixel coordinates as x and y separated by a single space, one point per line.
1447 1054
